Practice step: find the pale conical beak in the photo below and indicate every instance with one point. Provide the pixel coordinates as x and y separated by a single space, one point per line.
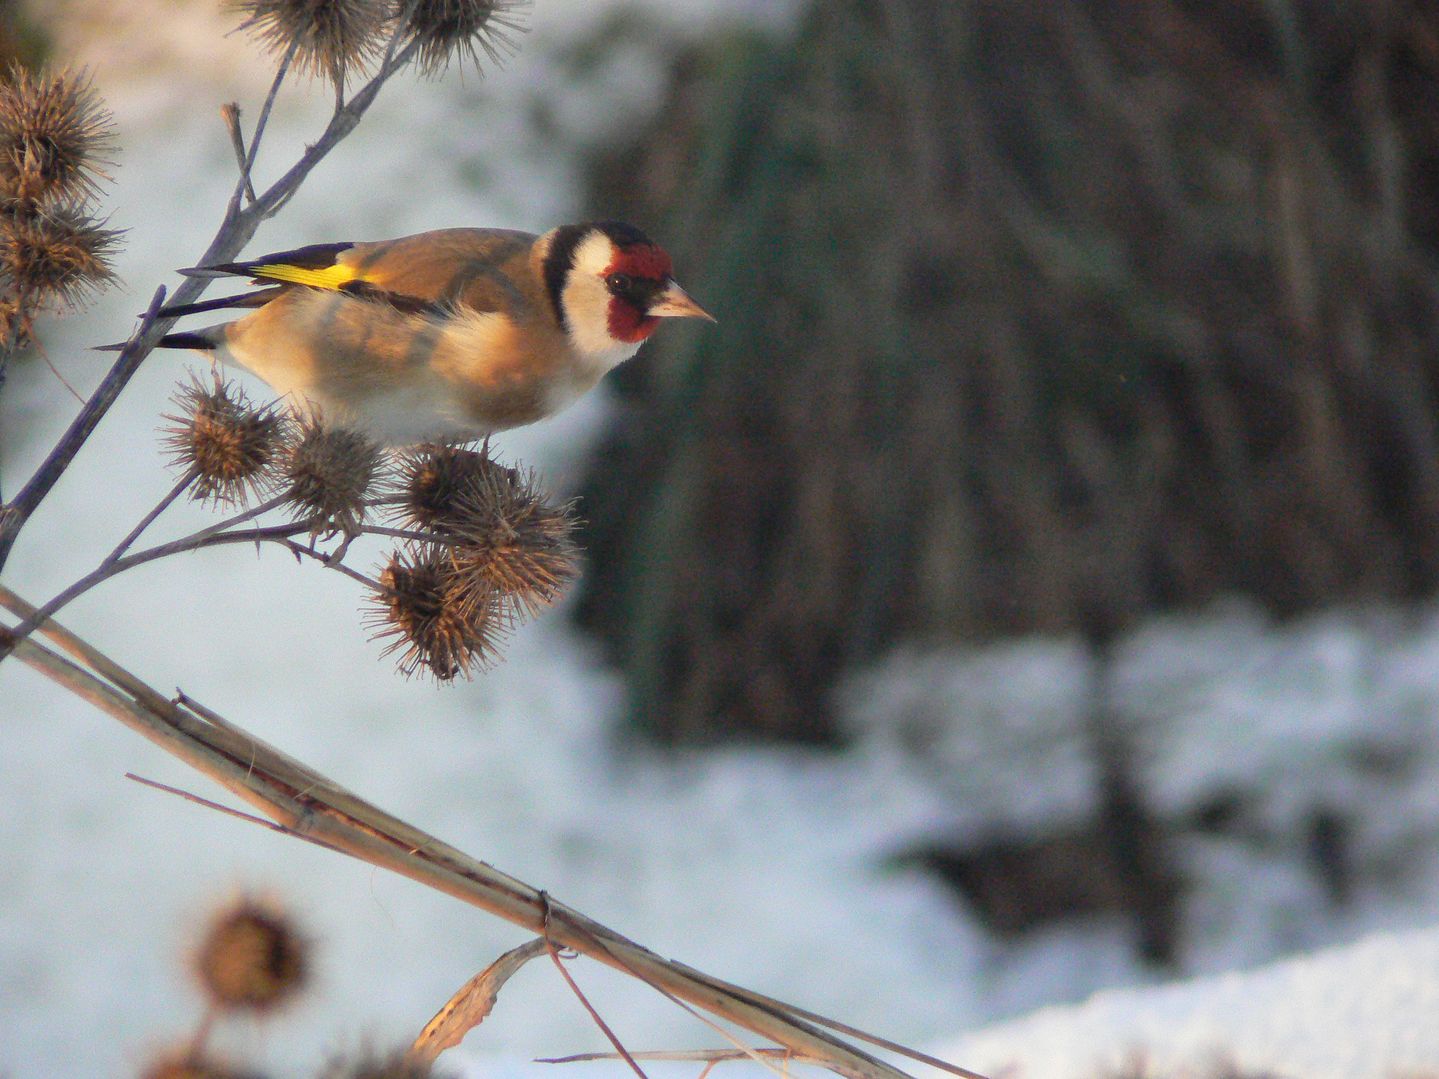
675 302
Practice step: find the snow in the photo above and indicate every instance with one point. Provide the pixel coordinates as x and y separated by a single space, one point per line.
1358 1012
771 868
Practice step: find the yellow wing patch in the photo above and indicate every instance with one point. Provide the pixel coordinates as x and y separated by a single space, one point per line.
330 277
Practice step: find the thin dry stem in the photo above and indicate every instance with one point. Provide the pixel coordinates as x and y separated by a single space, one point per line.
230 114
579 993
229 811
695 1056
223 534
235 231
301 799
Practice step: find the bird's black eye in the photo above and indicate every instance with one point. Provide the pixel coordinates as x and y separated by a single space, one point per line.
619 283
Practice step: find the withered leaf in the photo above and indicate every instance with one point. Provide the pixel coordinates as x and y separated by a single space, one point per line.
469 1007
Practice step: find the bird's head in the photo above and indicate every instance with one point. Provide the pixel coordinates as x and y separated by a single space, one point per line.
610 285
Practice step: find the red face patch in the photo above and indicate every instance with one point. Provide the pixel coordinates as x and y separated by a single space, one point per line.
644 262
627 322
648 261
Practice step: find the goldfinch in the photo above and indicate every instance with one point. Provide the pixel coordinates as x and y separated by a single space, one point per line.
452 334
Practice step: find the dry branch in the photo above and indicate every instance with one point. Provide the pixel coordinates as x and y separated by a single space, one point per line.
238 226
307 803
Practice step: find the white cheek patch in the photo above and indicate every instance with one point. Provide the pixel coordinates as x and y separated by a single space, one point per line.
586 301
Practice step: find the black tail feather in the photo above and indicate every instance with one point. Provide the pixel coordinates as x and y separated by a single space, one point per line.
186 340
244 299
220 269
170 340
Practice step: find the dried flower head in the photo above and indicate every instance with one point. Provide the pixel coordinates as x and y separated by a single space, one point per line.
507 539
436 621
252 958
52 130
57 254
329 37
188 1064
516 543
328 472
430 480
445 28
230 444
399 1064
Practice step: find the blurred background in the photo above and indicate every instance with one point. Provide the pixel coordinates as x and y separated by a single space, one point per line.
1027 585
1041 320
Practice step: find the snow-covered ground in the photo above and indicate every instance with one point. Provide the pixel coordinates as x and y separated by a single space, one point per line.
1365 1010
764 867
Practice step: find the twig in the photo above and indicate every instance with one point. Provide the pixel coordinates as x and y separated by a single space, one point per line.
59 375
247 165
308 803
299 550
106 570
219 534
740 1047
342 122
234 233
696 1056
406 534
580 995
14 515
229 811
149 518
230 114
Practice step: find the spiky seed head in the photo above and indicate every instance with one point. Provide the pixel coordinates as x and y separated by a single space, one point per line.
457 28
507 539
435 623
252 958
188 1064
510 540
60 254
231 445
429 482
328 472
329 37
53 129
398 1064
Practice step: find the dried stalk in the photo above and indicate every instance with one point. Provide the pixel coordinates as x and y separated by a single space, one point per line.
236 229
695 1056
314 807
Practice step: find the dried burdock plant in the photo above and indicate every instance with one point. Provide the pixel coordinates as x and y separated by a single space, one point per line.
429 483
188 1064
53 131
53 252
229 444
439 621
328 37
328 471
398 1064
252 958
445 29
60 254
517 544
507 538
